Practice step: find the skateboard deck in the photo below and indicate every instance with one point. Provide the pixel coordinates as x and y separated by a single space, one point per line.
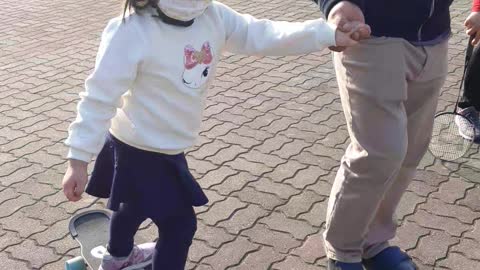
91 230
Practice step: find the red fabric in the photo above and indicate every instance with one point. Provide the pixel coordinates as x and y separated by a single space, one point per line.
476 6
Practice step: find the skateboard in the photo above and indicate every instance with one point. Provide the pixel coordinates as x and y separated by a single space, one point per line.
91 230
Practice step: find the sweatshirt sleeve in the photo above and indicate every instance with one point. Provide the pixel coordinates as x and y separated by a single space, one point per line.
118 58
476 6
248 35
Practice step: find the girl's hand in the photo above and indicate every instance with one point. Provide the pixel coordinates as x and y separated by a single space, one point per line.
472 25
75 180
349 34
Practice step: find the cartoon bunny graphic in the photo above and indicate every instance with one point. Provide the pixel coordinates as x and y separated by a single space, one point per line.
197 66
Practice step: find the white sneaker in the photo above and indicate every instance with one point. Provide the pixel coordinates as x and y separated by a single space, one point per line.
141 256
465 127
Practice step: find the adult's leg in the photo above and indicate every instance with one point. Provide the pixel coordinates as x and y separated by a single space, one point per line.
420 106
373 87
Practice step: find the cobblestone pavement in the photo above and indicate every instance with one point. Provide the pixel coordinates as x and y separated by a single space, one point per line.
271 142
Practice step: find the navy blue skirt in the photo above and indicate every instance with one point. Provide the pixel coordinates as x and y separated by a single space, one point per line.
158 184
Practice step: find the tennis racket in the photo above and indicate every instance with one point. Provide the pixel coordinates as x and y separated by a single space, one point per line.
453 133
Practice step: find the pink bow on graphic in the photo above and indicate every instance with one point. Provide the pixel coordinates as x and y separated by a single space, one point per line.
193 58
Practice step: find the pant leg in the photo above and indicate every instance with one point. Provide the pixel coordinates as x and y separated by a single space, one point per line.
123 226
373 87
175 238
420 106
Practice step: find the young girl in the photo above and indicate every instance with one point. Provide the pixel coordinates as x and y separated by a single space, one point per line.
146 97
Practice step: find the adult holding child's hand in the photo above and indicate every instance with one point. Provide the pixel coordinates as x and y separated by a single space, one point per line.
349 17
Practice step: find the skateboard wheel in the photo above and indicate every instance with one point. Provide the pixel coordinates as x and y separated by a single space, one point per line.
77 263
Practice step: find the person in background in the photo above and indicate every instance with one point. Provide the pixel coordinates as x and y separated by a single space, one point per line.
469 105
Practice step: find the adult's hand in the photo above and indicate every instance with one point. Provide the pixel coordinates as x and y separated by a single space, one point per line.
472 25
348 16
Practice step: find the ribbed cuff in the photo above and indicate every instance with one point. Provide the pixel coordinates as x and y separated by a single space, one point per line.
74 153
329 36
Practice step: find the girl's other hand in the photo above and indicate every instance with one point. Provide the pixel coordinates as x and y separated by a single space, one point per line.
75 179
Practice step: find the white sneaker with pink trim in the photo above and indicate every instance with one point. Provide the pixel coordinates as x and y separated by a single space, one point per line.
141 256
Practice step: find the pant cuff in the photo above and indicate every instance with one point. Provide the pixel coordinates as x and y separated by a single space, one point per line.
346 257
374 250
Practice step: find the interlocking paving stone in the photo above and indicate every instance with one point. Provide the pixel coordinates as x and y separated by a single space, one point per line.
295 263
231 253
280 241
312 249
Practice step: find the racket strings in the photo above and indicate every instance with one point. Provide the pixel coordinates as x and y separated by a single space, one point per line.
452 136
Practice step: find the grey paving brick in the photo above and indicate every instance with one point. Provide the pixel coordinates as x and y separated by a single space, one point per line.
295 263
281 242
36 256
231 253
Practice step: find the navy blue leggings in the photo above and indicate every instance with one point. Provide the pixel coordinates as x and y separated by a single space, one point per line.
175 236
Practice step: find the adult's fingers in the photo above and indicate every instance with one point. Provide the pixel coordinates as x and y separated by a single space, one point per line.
468 23
349 42
471 31
476 39
345 39
356 36
346 26
365 31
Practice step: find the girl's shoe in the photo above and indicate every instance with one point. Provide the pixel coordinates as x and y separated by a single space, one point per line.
141 256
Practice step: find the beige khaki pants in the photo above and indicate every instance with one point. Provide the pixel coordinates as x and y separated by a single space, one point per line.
389 90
